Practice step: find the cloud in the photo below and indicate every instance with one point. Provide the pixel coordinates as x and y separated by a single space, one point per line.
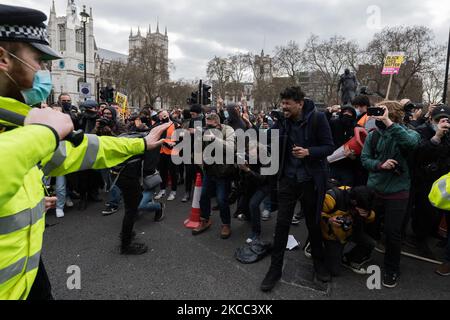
202 29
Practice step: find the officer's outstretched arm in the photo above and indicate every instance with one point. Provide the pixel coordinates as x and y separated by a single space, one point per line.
93 153
21 150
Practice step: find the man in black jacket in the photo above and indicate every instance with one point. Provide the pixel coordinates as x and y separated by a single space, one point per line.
432 160
305 141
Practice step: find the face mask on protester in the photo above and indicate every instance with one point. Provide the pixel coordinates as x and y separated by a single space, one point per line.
380 125
66 106
347 120
42 85
358 113
165 120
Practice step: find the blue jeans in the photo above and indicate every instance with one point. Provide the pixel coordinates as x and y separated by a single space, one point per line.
267 203
147 202
114 197
60 189
221 188
255 202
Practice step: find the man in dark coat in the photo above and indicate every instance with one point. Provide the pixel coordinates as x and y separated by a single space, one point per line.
305 143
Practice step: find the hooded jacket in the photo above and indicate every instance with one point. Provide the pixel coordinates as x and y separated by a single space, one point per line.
318 139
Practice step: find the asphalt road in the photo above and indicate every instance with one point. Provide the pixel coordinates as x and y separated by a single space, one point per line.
181 266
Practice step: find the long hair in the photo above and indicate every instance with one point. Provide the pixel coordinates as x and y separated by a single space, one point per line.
396 110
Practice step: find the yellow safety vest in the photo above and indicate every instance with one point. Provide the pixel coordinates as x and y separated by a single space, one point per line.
22 216
440 193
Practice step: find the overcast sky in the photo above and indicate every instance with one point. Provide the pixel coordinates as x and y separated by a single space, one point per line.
200 29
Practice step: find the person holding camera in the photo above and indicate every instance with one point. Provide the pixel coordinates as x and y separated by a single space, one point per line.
385 156
216 177
432 160
345 215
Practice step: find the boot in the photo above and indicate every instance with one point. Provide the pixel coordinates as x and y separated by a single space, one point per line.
133 248
204 225
321 272
271 279
225 233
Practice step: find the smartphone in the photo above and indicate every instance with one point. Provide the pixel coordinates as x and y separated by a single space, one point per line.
375 111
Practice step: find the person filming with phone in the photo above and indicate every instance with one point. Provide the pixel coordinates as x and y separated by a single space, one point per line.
384 155
432 161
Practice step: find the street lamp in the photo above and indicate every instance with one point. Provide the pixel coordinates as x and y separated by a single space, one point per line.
84 19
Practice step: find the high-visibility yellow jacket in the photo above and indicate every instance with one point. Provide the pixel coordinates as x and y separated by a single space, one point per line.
26 153
440 193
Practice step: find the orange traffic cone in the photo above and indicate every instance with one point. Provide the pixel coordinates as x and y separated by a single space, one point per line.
194 220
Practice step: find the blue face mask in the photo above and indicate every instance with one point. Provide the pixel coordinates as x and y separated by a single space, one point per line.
42 85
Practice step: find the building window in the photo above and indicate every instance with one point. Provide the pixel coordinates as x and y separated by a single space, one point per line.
62 37
79 40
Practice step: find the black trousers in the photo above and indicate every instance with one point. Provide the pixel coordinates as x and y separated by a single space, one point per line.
425 218
165 167
288 195
132 195
41 289
392 213
191 173
89 182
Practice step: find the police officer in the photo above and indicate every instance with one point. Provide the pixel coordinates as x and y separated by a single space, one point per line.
37 148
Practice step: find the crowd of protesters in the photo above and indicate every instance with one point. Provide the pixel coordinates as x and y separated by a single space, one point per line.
374 197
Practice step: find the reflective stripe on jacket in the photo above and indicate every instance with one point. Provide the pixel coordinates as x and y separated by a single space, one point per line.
440 193
22 217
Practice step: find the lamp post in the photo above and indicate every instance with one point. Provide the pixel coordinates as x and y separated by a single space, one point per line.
444 96
84 19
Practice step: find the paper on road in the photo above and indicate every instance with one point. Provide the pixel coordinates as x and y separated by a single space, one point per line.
292 243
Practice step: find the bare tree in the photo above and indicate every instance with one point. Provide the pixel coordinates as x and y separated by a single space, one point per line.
329 58
420 51
290 60
219 69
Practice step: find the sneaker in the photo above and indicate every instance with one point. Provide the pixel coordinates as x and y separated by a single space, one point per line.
59 213
159 214
354 266
134 248
265 215
243 217
109 211
307 250
444 269
186 198
225 232
204 225
380 247
390 280
69 202
296 220
270 280
252 238
172 196
160 194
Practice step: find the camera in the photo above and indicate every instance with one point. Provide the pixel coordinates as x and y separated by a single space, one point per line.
398 170
345 221
375 111
103 122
